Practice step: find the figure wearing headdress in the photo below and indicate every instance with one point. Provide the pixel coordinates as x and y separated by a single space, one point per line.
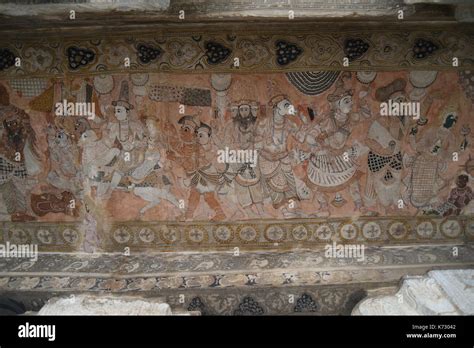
239 134
385 159
433 153
128 135
19 158
274 159
192 149
333 167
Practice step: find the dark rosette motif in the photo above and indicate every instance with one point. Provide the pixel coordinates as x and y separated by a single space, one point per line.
147 53
286 52
7 58
423 48
355 48
216 53
78 57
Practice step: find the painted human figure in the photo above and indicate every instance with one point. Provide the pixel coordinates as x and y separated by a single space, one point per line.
149 180
433 152
64 170
385 158
19 159
192 150
333 166
459 197
240 135
274 159
91 239
128 135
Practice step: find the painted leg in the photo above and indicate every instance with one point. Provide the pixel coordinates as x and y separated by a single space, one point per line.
355 194
193 201
214 204
323 204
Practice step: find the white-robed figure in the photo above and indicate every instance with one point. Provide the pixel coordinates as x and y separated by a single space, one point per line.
333 166
274 159
128 135
240 135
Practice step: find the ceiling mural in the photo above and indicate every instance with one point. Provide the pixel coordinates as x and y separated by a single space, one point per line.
212 161
250 157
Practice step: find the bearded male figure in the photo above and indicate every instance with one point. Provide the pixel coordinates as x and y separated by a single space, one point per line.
19 159
240 135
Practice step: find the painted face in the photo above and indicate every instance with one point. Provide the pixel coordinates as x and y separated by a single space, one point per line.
13 125
462 180
244 110
203 136
254 109
80 126
284 107
345 104
121 113
187 131
234 110
61 139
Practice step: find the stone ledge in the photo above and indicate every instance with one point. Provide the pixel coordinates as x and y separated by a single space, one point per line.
447 292
104 305
59 272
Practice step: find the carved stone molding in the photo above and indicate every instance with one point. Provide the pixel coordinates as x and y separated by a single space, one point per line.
302 282
146 272
307 300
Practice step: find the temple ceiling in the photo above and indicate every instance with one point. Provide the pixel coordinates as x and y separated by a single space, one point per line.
224 154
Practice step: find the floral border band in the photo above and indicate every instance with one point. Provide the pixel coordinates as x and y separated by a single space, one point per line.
246 235
190 52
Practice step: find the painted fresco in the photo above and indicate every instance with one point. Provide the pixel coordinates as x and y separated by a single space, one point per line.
155 147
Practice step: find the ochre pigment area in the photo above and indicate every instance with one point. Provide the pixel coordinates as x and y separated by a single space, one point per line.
234 147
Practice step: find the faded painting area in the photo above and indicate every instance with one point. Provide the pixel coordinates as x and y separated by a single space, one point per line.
228 147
